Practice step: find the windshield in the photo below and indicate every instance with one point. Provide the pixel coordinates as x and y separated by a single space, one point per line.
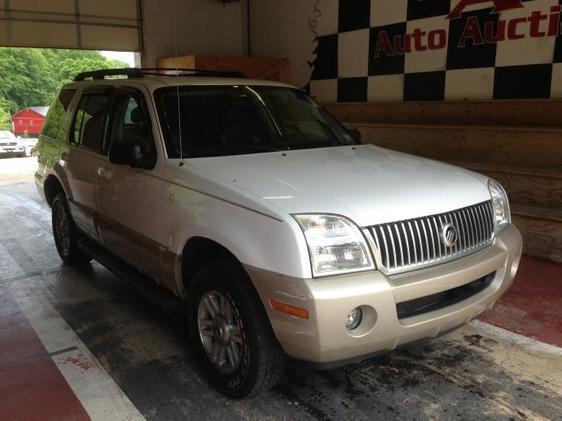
232 120
6 135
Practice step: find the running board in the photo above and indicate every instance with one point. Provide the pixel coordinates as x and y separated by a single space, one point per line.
136 281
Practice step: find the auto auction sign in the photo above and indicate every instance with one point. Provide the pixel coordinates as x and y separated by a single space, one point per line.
531 23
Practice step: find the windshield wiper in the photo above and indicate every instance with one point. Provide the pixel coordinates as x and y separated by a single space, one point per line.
305 140
230 149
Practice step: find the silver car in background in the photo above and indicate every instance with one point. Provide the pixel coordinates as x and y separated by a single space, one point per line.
29 145
10 145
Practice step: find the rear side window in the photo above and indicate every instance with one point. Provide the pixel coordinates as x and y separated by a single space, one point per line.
58 115
89 124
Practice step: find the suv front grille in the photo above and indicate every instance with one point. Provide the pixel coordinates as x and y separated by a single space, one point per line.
409 244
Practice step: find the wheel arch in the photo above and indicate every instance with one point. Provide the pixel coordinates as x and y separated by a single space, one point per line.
199 252
51 187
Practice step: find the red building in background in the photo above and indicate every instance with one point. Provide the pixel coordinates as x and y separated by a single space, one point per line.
29 121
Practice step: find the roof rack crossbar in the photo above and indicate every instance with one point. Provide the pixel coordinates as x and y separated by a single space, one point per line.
137 72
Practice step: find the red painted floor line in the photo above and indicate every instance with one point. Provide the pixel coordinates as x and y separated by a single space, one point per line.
31 386
533 305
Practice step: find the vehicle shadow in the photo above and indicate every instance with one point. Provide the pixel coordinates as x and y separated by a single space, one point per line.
149 355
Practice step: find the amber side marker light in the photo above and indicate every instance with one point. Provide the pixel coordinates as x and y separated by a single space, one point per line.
289 309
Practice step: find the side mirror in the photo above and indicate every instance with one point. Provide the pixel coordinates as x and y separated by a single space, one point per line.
130 154
356 135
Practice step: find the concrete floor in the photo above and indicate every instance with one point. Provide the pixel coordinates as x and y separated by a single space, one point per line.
79 345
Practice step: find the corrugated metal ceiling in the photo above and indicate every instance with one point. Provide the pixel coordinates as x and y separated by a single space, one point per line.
84 24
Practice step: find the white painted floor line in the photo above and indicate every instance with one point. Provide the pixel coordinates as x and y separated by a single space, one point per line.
100 396
514 338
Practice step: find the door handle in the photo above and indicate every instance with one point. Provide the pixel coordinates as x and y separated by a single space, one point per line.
104 173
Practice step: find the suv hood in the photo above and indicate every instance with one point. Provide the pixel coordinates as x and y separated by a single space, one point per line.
368 184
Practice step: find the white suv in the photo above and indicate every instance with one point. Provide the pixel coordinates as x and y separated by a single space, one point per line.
281 234
10 145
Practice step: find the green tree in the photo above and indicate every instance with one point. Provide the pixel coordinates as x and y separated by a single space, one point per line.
5 117
68 63
32 76
25 79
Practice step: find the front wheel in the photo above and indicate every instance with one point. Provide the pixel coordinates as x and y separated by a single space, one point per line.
66 234
232 332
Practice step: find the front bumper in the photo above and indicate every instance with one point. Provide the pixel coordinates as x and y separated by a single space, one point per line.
12 150
323 338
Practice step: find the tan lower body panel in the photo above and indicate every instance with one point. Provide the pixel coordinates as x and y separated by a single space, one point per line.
143 253
323 337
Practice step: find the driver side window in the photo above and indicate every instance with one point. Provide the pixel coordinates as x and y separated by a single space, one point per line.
131 125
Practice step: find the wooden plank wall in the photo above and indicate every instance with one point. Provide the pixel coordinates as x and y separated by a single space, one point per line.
252 67
518 143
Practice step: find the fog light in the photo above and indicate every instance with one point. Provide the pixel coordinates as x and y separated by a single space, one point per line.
354 318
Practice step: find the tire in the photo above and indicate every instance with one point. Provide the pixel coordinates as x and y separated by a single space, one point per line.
261 361
66 234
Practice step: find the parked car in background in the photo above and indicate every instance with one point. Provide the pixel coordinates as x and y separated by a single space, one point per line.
10 145
29 144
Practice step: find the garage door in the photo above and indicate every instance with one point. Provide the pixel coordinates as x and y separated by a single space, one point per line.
85 24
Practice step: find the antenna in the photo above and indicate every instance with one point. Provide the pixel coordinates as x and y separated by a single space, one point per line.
177 85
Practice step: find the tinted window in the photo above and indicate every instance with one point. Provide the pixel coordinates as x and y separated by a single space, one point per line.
211 117
230 120
58 114
131 124
298 116
89 123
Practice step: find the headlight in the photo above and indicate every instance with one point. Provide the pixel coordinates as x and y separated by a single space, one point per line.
500 205
335 244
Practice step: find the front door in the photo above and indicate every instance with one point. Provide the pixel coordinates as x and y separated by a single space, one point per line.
130 199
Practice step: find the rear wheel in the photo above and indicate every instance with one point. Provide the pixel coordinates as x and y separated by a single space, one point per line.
232 332
66 234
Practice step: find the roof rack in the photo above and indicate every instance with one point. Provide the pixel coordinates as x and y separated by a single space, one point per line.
137 72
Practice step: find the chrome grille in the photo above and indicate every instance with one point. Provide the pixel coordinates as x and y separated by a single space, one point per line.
409 244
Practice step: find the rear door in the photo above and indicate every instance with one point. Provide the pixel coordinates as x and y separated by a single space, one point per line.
85 156
130 200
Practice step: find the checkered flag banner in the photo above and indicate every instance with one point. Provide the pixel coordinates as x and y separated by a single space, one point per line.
423 50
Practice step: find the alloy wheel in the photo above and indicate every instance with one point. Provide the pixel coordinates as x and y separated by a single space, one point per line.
62 229
220 331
